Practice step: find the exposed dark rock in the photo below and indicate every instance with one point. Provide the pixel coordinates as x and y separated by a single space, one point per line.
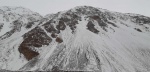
91 27
31 19
141 19
72 25
28 53
98 61
53 35
86 10
146 27
29 25
59 40
101 21
112 24
34 38
1 26
74 22
138 29
37 36
49 27
95 17
71 19
109 16
17 24
61 25
7 34
65 19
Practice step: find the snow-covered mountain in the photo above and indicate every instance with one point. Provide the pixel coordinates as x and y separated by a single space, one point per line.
80 39
14 22
14 19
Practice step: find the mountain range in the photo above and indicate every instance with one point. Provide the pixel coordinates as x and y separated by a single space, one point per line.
83 38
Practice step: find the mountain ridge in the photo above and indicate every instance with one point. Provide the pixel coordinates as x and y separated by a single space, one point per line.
81 39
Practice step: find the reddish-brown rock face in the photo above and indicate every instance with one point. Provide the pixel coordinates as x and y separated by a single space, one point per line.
59 40
33 39
53 35
28 53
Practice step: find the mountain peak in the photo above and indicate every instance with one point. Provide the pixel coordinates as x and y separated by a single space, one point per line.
13 18
10 8
83 38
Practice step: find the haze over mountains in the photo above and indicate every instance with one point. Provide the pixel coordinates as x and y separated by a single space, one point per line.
83 38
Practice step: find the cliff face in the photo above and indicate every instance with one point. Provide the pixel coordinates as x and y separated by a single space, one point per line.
81 39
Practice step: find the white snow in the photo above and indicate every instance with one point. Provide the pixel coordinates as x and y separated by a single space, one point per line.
121 49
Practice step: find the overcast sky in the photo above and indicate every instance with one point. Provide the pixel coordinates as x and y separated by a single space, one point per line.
53 6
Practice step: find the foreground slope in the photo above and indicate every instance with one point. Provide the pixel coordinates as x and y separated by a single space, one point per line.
85 39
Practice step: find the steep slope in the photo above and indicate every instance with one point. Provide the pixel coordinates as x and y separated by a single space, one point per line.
13 19
86 39
14 22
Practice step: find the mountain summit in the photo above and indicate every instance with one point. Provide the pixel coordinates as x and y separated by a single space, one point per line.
80 39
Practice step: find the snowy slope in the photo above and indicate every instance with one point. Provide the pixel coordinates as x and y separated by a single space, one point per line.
82 39
12 16
14 22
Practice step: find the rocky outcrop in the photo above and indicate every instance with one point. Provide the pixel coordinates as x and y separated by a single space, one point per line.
36 38
80 39
91 27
